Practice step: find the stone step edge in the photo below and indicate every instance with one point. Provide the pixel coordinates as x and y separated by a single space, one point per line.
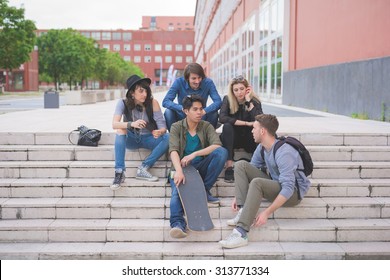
133 182
45 147
61 138
195 250
164 224
157 202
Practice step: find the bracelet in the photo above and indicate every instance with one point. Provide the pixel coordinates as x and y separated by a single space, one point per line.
129 125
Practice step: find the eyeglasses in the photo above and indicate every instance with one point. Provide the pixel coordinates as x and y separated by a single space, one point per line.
239 78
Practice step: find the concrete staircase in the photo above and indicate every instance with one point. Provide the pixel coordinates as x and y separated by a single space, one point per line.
56 204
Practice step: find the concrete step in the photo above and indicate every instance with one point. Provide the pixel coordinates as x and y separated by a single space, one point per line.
195 250
104 169
66 153
108 138
157 230
330 188
106 152
91 187
79 187
351 170
73 169
158 208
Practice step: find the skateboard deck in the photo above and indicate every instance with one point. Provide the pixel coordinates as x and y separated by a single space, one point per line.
194 199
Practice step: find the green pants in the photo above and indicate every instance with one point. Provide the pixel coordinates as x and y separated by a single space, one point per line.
251 186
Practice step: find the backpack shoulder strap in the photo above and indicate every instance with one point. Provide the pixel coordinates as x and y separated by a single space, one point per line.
278 144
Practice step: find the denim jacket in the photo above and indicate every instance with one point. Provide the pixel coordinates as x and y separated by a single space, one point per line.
177 136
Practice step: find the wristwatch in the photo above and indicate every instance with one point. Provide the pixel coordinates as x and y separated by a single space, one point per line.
248 103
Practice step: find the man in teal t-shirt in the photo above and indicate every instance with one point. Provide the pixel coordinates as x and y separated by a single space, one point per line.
193 141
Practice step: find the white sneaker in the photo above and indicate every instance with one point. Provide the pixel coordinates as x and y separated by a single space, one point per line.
143 174
234 221
177 232
234 240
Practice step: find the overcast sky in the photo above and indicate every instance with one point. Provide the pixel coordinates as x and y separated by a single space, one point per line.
100 14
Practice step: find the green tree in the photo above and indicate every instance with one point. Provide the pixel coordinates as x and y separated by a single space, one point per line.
66 55
17 37
117 70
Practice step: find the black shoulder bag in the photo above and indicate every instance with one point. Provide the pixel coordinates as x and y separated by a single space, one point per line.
87 136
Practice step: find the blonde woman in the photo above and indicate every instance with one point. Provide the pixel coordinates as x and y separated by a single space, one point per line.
239 109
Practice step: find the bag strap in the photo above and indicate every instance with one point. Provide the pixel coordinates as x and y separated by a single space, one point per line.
70 133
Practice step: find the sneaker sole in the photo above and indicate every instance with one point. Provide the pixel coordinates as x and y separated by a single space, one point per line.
213 202
229 223
226 246
146 179
115 187
177 233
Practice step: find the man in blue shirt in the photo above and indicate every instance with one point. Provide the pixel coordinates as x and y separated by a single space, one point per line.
280 187
193 82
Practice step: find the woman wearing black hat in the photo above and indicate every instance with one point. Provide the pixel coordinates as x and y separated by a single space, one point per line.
143 126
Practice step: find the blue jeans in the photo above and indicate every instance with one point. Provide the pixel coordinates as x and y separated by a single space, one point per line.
134 141
209 169
172 116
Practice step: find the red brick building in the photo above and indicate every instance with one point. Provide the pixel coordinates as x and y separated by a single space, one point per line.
25 78
158 44
331 56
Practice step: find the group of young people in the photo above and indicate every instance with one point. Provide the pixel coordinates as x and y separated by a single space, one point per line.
193 140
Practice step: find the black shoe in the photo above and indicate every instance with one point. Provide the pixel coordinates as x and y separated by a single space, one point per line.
229 175
118 180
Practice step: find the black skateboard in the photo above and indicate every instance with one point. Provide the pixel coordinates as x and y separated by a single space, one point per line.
194 199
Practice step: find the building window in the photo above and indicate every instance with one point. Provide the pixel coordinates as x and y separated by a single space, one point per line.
106 35
126 36
158 59
147 47
178 47
157 47
168 59
189 59
127 58
178 59
137 59
117 47
189 48
147 59
116 36
106 46
96 35
168 47
137 47
126 47
86 34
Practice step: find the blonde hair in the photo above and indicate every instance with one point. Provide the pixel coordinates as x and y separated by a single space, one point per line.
233 103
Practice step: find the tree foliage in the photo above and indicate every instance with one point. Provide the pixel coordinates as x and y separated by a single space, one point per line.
66 55
17 36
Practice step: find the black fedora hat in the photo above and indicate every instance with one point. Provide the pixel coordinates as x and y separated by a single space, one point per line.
134 79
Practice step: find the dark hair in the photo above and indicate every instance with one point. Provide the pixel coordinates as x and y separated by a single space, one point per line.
190 99
269 122
149 97
194 68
